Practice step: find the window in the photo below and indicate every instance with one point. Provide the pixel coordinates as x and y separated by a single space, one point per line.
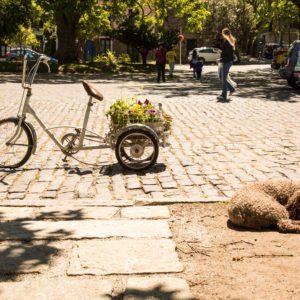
3 51
104 45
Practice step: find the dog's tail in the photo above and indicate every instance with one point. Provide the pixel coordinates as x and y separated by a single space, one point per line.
288 226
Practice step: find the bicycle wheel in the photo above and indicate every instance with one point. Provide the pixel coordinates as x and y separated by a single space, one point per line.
137 149
15 154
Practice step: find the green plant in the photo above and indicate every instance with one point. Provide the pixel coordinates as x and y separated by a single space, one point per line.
124 58
128 111
109 60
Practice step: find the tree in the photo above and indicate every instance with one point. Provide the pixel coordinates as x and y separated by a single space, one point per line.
24 37
136 33
273 16
249 18
68 16
12 14
141 24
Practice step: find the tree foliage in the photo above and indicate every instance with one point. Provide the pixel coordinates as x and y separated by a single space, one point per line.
142 24
23 38
249 18
12 14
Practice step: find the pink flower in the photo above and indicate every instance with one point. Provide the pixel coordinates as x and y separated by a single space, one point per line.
151 111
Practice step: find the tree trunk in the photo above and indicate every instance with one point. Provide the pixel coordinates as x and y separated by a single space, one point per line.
66 34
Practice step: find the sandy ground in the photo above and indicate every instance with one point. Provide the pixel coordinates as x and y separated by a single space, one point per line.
222 261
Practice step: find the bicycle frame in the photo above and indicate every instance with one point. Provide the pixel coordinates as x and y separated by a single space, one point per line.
25 108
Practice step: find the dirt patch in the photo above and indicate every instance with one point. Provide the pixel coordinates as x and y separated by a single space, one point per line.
222 261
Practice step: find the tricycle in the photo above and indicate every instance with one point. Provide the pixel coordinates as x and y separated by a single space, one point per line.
136 144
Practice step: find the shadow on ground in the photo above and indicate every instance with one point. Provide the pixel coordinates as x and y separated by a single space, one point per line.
20 252
264 84
158 293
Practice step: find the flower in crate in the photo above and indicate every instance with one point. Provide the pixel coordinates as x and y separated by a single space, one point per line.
129 111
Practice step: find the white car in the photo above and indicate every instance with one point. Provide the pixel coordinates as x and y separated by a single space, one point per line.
208 54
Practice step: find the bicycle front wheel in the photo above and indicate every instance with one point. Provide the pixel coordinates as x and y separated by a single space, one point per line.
15 153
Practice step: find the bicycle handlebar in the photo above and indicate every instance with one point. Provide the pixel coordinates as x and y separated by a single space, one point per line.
42 58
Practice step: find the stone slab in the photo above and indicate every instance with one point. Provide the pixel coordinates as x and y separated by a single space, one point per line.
58 288
59 212
157 288
125 256
12 213
147 212
31 201
19 258
176 200
47 230
79 212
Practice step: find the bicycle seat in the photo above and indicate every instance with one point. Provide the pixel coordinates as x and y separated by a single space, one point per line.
92 91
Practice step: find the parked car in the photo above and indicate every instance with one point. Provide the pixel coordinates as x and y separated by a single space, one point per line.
296 77
17 54
269 49
287 71
279 57
208 54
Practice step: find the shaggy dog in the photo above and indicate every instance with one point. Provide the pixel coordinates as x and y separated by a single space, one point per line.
266 203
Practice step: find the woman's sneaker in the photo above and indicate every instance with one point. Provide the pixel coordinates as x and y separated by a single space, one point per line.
231 93
221 98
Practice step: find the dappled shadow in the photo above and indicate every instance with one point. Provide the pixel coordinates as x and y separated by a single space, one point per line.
158 292
116 169
22 250
72 214
264 84
78 171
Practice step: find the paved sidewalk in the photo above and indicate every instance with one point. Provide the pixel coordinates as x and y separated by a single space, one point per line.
94 230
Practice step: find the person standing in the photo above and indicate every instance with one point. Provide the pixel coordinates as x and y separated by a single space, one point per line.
161 60
226 61
171 56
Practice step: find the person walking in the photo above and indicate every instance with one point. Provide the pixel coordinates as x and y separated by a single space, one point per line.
193 62
198 67
161 60
226 61
171 56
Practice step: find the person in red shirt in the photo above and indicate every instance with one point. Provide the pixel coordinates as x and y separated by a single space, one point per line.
161 60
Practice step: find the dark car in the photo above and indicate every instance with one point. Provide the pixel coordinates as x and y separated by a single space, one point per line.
296 77
269 49
287 71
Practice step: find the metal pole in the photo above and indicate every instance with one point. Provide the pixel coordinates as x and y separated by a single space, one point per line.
180 47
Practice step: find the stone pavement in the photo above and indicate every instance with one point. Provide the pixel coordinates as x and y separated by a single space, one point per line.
95 231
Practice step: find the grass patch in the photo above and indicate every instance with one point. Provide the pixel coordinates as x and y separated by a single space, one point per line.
96 67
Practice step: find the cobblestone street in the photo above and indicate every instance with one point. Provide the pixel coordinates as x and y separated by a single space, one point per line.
214 149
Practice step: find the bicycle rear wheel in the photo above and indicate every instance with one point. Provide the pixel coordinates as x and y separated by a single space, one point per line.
137 150
16 153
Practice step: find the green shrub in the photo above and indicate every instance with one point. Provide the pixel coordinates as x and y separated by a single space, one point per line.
124 58
109 60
